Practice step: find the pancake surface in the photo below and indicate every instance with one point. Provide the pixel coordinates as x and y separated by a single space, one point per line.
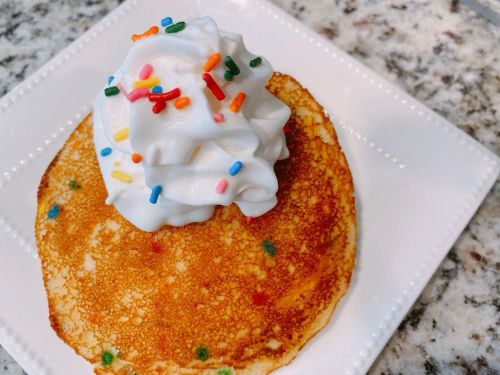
249 295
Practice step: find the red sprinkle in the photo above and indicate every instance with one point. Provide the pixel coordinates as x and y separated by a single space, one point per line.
213 86
156 246
286 128
259 298
175 93
159 106
249 219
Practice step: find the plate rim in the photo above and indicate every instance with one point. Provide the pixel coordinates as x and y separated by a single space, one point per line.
366 355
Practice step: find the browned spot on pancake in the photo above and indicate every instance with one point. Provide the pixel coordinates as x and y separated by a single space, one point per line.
210 284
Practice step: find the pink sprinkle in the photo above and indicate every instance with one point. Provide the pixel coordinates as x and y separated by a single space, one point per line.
137 94
218 117
122 89
146 71
133 95
222 186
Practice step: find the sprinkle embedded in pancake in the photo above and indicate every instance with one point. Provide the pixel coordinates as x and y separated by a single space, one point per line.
229 293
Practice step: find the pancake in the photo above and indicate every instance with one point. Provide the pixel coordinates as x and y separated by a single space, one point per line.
219 297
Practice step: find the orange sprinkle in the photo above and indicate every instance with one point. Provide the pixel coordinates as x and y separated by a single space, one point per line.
237 102
182 102
151 31
95 318
136 158
212 61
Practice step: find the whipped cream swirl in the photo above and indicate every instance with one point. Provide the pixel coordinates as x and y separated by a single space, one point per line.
186 152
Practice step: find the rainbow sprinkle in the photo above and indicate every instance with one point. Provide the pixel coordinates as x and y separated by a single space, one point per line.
106 151
218 117
231 65
121 135
166 21
225 371
107 358
156 246
176 27
110 91
237 102
123 177
259 298
136 158
202 353
155 193
235 168
146 83
222 186
151 31
212 61
146 71
213 86
133 95
182 102
169 95
54 211
157 90
159 106
255 62
228 75
269 248
73 185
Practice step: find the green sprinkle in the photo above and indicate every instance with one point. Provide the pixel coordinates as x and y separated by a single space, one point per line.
176 27
269 247
73 185
231 65
202 353
107 358
225 371
228 75
110 91
255 62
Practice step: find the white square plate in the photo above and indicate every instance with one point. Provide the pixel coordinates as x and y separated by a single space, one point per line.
418 179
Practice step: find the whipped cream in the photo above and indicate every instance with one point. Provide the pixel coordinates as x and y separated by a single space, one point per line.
188 156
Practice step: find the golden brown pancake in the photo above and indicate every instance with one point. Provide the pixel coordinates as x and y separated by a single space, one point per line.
215 297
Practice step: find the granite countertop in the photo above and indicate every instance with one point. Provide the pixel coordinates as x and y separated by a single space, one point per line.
438 51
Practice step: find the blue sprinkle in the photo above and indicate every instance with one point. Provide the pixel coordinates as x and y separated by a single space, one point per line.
157 90
106 151
235 168
166 21
110 79
53 211
155 193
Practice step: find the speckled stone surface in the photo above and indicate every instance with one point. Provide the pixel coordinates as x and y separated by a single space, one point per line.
438 51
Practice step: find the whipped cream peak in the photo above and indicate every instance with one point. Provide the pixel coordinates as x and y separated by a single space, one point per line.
190 126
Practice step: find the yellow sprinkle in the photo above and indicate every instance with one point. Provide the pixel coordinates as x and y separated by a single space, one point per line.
122 176
121 135
43 206
146 83
116 163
